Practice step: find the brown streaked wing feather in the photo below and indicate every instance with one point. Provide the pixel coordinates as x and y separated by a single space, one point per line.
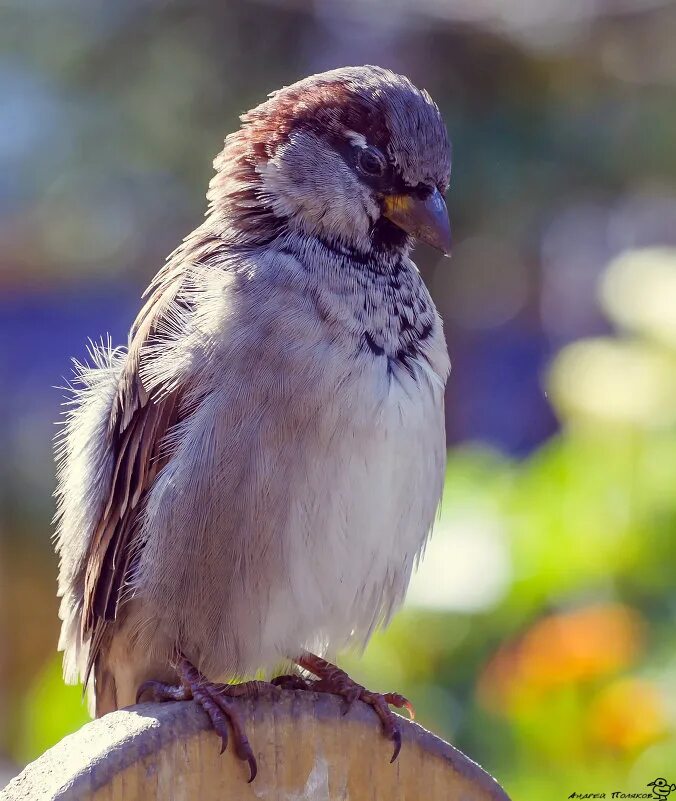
139 423
138 462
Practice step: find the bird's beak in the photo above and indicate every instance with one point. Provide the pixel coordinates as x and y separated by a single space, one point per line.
425 219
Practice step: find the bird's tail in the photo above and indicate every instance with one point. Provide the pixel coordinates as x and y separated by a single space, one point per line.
83 485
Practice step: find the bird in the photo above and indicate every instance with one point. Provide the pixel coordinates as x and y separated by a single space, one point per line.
247 486
661 788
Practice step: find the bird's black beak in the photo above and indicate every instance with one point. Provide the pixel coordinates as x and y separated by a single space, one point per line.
426 219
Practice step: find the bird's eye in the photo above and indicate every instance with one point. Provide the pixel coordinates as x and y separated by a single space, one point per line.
371 161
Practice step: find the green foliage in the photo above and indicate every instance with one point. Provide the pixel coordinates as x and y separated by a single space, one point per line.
50 711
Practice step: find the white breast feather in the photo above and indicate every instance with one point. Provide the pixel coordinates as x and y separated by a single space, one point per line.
366 512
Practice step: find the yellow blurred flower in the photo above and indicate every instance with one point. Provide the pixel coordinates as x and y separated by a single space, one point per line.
628 715
606 380
629 381
561 650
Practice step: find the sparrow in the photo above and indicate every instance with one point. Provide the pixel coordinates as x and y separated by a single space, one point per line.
250 482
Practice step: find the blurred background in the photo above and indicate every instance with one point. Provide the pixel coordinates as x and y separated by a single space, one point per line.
539 634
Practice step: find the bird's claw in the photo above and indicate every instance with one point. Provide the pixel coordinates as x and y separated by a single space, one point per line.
292 681
396 736
331 679
401 702
159 691
379 702
217 700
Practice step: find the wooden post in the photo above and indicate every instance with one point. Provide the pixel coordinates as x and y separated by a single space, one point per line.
307 750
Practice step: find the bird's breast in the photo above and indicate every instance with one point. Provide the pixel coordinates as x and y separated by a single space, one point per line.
371 485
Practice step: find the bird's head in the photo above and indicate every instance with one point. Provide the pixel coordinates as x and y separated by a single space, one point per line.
357 157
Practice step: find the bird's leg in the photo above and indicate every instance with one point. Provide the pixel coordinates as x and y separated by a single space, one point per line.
331 679
217 700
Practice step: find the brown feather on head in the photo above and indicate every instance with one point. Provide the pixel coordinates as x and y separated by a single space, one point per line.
301 159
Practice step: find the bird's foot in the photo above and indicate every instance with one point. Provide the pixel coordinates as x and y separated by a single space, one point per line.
217 700
292 681
331 679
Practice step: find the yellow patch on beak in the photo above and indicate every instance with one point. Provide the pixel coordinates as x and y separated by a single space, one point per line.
425 219
394 205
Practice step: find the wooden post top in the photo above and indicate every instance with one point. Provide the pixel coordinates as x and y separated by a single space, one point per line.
307 750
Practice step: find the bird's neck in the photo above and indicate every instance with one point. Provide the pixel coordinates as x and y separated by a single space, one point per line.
339 257
381 301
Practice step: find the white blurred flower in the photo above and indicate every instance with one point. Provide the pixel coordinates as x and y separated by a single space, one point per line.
466 566
638 292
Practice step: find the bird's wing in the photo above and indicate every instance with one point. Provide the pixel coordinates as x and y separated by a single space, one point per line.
139 422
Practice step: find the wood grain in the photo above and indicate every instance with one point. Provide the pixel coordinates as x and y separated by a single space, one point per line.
307 750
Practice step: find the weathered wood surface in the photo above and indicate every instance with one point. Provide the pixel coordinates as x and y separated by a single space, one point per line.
306 751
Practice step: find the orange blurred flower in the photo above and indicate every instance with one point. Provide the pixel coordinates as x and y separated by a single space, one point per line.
559 650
